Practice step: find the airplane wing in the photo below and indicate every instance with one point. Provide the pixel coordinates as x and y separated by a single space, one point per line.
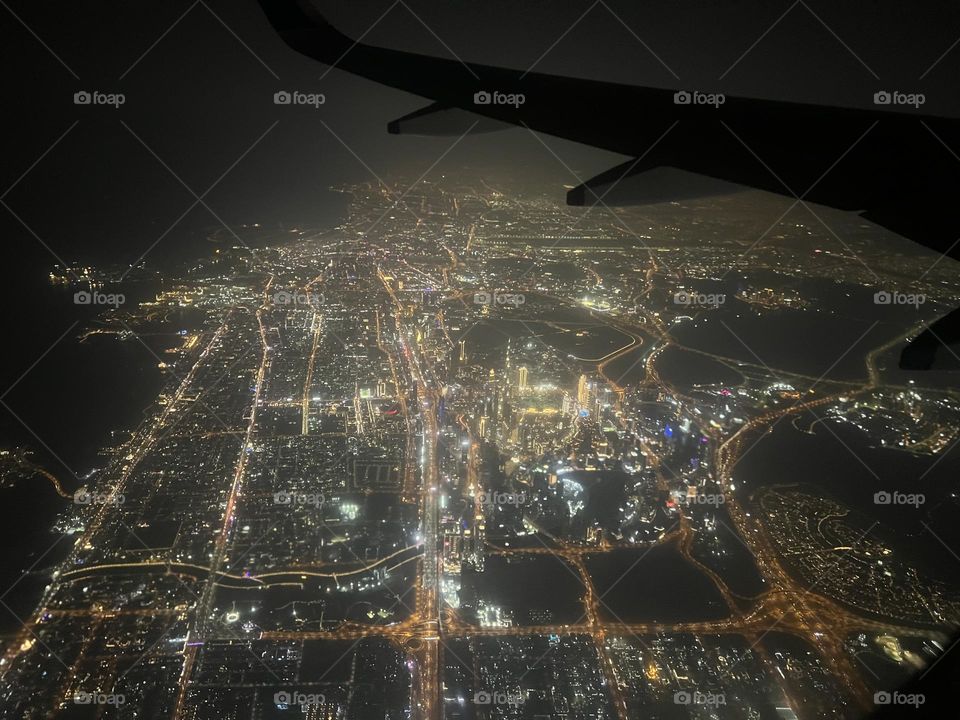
894 167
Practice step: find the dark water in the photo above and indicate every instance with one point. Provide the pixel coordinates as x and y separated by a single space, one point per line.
811 341
77 399
29 509
846 467
687 370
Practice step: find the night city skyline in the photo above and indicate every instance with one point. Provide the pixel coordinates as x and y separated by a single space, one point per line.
567 361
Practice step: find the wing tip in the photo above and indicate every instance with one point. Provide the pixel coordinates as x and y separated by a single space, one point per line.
301 25
577 196
933 349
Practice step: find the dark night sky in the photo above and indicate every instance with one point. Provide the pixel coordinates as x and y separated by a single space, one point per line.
203 94
200 99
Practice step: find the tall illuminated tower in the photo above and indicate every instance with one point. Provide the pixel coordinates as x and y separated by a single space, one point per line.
583 392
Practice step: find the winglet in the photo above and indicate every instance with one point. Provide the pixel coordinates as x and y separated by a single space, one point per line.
304 29
932 348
